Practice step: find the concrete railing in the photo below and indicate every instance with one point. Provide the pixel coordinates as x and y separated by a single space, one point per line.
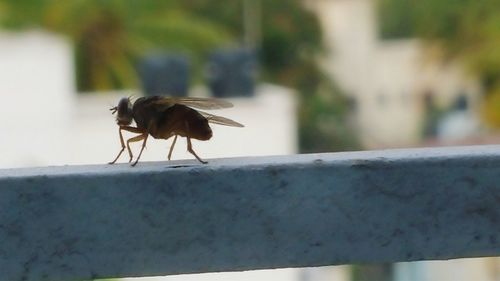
84 222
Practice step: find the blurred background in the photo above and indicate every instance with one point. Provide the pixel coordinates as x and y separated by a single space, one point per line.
304 75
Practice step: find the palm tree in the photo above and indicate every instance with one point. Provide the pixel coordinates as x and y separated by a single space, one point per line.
109 36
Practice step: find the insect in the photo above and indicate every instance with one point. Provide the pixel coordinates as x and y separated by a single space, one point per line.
164 117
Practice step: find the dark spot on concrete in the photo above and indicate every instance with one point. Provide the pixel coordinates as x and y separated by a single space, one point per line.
148 220
471 182
283 184
318 162
316 244
397 232
273 172
493 239
27 266
194 172
479 211
179 166
478 237
361 164
384 244
26 197
379 163
396 194
14 229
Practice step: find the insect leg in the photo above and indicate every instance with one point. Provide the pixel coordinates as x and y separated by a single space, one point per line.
190 149
133 130
138 138
172 147
123 146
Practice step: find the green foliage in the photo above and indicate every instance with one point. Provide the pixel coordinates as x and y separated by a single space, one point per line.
291 52
110 35
324 121
396 18
291 42
291 35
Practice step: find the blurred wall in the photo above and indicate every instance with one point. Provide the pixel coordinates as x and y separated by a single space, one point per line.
37 93
387 79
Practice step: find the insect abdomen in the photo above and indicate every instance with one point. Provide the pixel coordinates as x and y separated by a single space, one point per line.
183 121
198 127
204 133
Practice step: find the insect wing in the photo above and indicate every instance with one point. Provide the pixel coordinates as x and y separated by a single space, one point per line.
200 103
219 120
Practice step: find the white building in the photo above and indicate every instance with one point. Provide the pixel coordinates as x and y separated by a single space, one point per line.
387 79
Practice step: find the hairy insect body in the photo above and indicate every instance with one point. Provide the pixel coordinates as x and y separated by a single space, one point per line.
162 118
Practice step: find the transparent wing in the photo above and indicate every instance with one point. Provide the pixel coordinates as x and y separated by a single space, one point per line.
219 120
200 103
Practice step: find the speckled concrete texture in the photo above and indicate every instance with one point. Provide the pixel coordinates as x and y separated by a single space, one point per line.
83 222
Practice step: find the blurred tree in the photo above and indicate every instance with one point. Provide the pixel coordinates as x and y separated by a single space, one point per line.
289 51
109 35
464 29
325 123
291 37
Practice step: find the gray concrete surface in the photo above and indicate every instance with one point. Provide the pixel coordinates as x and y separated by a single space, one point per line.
83 222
